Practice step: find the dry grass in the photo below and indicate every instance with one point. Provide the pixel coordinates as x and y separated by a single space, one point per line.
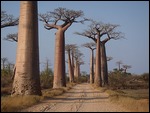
16 103
48 93
52 92
11 104
134 100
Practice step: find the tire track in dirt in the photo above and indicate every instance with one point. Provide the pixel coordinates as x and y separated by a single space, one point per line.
81 98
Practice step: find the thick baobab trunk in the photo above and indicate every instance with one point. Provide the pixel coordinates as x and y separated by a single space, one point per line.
76 70
97 79
92 67
104 69
71 77
26 79
72 63
59 67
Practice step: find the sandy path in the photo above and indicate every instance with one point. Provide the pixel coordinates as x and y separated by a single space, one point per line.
81 98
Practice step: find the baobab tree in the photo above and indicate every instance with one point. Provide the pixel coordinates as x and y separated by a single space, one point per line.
8 20
95 32
119 64
92 47
26 79
69 48
126 67
78 62
110 35
74 49
51 19
109 58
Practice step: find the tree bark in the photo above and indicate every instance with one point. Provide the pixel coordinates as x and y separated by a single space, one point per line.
92 67
26 79
104 69
59 67
97 79
71 77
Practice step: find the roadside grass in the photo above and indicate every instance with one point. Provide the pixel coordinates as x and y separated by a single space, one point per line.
48 93
133 100
16 103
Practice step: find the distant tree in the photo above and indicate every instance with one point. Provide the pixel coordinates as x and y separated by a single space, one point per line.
46 76
78 62
47 68
69 48
95 32
119 64
4 60
8 20
10 67
126 67
109 58
92 47
51 19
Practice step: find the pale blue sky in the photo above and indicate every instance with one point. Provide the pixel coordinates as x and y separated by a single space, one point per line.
133 18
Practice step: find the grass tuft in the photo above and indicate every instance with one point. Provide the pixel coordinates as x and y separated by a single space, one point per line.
16 103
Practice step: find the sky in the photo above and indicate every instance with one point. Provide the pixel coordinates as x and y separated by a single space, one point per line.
132 16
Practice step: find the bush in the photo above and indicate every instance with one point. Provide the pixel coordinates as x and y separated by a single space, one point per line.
81 79
46 81
46 78
145 77
119 80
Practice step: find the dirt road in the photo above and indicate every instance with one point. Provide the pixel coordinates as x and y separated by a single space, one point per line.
81 98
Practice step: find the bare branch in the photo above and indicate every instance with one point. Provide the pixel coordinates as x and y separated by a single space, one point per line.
8 20
61 14
12 37
89 34
98 29
90 45
69 47
110 29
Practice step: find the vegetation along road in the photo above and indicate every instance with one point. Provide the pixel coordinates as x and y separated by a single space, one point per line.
81 98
